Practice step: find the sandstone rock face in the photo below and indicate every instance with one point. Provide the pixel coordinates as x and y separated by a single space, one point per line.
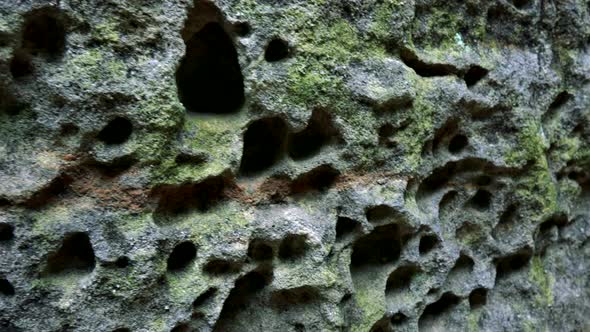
303 165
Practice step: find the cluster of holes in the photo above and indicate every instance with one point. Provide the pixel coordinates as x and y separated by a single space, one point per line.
266 140
181 256
177 200
75 254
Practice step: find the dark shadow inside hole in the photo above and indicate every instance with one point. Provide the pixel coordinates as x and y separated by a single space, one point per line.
383 245
478 298
561 99
507 265
209 77
401 278
21 64
434 310
122 262
204 297
182 327
6 232
481 200
221 266
117 131
6 288
426 69
474 75
381 213
244 290
286 298
318 179
181 256
458 143
276 50
463 265
308 142
345 226
44 31
293 246
75 253
427 243
398 318
520 4
264 144
259 250
242 29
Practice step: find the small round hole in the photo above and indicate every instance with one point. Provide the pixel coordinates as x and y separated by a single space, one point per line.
242 29
276 50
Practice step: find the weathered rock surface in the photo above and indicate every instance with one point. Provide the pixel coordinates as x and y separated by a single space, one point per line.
304 165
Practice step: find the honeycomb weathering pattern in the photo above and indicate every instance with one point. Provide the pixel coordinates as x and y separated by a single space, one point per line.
304 165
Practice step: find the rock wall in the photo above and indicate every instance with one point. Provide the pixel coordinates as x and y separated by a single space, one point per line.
303 165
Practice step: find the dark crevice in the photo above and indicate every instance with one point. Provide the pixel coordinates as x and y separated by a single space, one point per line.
222 266
117 131
6 232
478 298
264 144
175 201
286 298
507 265
426 69
401 279
181 256
6 288
276 50
427 243
205 297
75 254
244 290
434 310
209 76
318 179
558 102
474 74
260 250
383 245
345 226
293 246
320 131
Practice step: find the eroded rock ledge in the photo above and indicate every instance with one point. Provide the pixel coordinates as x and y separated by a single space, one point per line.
266 165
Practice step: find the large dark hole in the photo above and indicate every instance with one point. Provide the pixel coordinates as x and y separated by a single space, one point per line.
44 31
458 143
209 77
310 140
6 232
182 255
276 50
117 131
264 143
507 265
436 309
474 75
286 298
221 266
6 288
401 278
318 179
241 295
481 200
478 298
345 226
259 250
75 253
21 64
383 245
293 246
427 243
